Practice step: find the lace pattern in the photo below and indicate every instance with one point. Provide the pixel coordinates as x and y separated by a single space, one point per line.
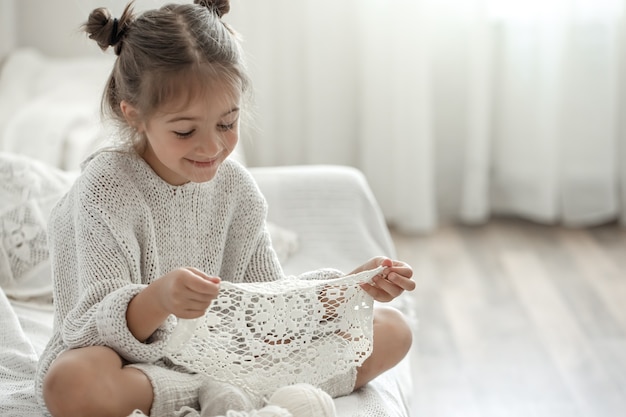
261 336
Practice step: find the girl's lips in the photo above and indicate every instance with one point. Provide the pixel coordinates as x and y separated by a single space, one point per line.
208 163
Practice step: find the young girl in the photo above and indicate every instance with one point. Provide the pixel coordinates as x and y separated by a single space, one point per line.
151 228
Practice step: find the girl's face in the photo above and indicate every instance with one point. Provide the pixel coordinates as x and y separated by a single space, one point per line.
188 143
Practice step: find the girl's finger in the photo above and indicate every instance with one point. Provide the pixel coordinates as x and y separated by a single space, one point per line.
198 299
203 286
386 262
401 281
376 293
203 275
403 270
390 287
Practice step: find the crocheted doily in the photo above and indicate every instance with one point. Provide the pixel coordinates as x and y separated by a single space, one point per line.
262 336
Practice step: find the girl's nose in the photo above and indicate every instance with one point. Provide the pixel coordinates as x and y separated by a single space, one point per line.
209 145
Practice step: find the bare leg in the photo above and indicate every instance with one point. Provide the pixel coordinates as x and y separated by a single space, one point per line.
92 382
392 341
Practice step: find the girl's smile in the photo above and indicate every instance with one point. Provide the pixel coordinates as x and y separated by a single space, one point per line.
204 164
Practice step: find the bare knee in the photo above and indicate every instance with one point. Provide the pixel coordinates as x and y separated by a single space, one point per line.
392 341
75 383
394 326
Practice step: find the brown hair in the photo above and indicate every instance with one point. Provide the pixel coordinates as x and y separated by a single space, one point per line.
161 52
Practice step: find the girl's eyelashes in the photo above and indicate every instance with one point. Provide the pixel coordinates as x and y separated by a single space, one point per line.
184 135
226 127
222 127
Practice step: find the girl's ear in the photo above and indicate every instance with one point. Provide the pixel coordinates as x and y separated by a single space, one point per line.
131 114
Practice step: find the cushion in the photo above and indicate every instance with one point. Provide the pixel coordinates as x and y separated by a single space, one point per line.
44 101
28 191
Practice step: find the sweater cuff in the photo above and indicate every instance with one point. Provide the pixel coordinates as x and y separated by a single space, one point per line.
114 332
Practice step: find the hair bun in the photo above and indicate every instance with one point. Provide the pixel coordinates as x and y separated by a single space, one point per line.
107 31
220 7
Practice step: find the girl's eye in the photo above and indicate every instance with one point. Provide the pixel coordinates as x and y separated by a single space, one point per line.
184 135
225 128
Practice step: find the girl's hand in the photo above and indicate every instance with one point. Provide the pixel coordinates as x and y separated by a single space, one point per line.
187 292
391 282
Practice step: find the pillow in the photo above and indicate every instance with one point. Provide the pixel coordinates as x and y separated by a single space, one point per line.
28 74
28 191
54 98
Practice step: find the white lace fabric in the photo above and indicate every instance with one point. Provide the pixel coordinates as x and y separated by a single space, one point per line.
262 336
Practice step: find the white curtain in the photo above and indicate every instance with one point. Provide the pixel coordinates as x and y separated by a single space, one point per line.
455 110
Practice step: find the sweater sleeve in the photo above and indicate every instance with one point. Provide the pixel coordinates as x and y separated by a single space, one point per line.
97 273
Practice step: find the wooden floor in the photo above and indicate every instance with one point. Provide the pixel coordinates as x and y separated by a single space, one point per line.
517 319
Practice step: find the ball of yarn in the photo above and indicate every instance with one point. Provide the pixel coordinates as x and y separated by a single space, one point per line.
268 411
304 400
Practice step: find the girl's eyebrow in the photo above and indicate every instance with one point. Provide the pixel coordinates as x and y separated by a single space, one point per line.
179 118
234 109
192 118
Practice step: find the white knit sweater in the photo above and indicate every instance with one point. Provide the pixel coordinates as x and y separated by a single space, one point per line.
121 227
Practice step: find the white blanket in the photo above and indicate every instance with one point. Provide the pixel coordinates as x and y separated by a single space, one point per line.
18 362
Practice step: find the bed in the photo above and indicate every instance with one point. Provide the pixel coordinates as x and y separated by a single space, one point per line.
319 216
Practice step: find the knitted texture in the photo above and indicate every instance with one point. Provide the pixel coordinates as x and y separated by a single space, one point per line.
263 336
121 227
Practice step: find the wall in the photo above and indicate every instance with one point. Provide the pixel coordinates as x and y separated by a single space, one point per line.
7 26
53 26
